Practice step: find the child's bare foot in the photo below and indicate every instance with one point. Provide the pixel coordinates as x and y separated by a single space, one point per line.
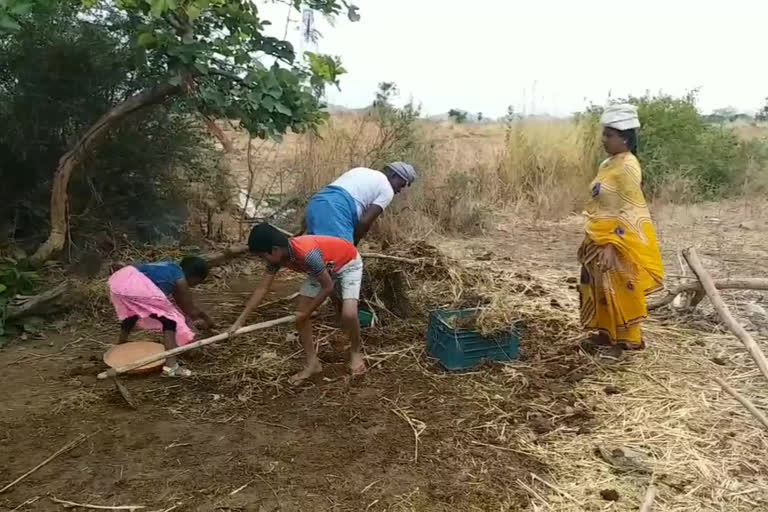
307 372
357 364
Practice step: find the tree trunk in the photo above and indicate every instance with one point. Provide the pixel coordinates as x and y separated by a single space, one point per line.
218 133
72 158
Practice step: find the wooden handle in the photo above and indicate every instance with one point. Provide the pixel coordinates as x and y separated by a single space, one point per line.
112 372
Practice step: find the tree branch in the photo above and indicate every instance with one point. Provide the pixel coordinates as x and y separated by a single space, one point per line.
720 284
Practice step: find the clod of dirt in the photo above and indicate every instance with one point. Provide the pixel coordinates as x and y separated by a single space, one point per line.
612 390
575 377
542 425
609 495
624 459
85 369
719 361
556 373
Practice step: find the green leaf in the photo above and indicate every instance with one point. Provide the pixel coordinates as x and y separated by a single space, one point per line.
275 91
268 103
201 68
242 58
21 8
8 24
352 13
282 109
193 11
147 40
3 287
160 7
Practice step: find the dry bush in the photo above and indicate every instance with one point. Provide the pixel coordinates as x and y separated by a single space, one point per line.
467 172
546 167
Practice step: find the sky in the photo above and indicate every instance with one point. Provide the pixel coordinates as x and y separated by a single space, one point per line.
547 56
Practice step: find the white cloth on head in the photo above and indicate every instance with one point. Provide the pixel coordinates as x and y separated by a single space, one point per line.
620 117
367 187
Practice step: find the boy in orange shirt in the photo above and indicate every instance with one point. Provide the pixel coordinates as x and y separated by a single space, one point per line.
331 264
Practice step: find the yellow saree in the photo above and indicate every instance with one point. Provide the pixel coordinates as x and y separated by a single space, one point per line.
613 300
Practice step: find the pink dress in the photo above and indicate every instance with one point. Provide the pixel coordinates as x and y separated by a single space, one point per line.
134 294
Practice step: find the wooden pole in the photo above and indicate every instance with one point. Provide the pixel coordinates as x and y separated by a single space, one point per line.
219 258
400 259
759 416
722 309
179 350
720 284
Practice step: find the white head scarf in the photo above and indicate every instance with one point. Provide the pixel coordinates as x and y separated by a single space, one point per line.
620 117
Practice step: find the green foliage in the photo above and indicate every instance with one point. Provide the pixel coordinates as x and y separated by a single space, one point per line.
762 115
384 94
230 69
53 85
65 64
11 13
677 143
397 134
13 280
459 116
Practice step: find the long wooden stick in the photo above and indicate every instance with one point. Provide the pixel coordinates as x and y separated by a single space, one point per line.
391 258
650 495
63 449
219 258
72 504
215 259
759 416
207 341
720 284
722 309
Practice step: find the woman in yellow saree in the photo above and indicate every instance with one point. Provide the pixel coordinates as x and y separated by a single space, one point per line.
620 258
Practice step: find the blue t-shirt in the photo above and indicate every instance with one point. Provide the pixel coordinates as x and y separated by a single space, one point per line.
164 274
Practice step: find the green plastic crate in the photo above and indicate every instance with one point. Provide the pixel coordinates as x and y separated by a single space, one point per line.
366 318
461 349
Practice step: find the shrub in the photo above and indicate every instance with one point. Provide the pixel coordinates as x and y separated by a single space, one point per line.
13 280
55 81
684 157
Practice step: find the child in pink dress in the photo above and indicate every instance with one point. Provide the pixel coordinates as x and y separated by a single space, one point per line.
140 294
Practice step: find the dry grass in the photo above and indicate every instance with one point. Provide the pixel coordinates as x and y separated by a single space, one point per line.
751 131
466 172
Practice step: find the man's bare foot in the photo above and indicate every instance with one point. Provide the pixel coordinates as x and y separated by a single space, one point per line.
357 364
306 373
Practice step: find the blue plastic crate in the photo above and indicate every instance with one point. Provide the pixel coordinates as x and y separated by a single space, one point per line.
460 349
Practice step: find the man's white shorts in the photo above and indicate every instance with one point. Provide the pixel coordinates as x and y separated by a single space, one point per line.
346 281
